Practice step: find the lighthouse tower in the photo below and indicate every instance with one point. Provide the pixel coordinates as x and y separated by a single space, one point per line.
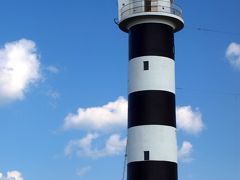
152 145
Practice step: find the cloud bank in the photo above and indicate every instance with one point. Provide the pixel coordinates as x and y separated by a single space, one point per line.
185 152
233 55
19 68
106 117
12 175
84 147
189 120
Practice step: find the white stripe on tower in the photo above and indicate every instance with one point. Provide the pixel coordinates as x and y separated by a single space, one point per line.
152 146
160 76
162 148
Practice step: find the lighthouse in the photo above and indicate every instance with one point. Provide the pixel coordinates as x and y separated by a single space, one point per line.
152 144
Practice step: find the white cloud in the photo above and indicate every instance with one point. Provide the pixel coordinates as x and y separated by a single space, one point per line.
83 170
185 152
114 145
84 144
12 175
53 69
19 68
189 120
106 117
233 54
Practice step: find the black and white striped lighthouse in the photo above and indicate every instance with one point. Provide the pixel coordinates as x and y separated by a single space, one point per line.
152 145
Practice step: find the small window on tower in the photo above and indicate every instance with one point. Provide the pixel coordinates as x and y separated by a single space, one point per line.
145 65
146 155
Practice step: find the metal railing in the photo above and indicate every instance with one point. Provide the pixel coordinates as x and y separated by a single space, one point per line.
161 6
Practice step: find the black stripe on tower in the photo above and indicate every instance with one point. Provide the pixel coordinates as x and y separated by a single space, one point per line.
152 170
151 108
151 39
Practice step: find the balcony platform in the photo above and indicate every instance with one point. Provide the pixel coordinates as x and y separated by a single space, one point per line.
156 12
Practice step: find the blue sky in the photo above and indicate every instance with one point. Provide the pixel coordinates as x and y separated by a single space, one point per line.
63 62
